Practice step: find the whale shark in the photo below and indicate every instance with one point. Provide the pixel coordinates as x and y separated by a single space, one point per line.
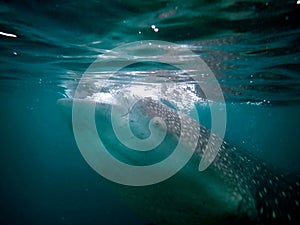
236 188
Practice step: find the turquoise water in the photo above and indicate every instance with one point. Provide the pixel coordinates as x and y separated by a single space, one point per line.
252 47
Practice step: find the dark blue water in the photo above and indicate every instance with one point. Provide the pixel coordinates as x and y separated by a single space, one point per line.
253 48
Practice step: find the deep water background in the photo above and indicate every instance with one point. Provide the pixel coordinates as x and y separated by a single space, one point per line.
253 47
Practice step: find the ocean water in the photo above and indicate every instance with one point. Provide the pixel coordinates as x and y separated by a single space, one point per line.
251 47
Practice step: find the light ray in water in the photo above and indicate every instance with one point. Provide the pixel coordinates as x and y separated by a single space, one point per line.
8 34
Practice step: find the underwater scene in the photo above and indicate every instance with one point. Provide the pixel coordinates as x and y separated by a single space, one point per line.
150 112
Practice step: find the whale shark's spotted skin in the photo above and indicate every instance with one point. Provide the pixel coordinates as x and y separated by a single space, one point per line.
268 197
236 188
